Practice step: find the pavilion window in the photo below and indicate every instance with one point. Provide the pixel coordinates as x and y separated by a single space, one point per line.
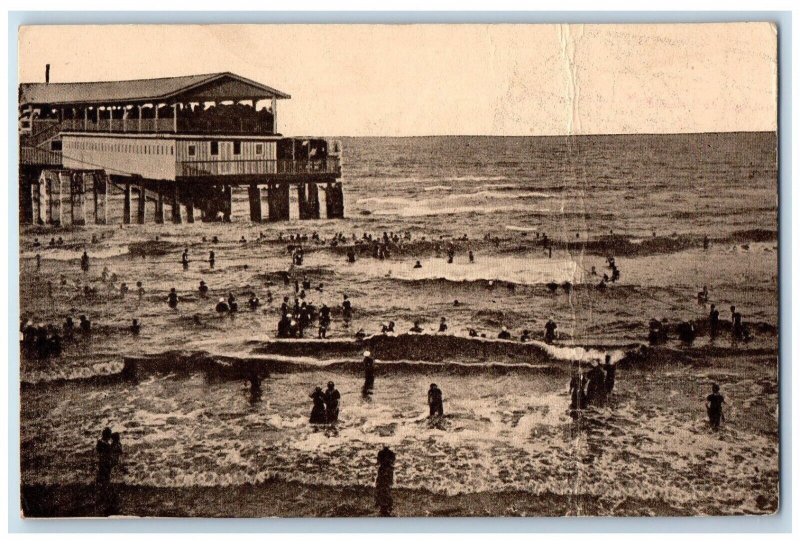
215 148
192 151
259 149
237 147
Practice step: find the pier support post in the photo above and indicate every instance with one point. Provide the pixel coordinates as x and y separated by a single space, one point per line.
142 206
334 200
302 201
26 181
41 199
313 201
55 200
36 211
160 206
255 202
227 203
176 205
126 206
278 201
100 193
77 191
190 209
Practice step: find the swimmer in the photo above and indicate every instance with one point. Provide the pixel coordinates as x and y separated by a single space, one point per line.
416 329
123 289
435 405
232 304
702 296
552 287
253 302
418 265
139 290
203 289
222 306
504 334
714 404
85 262
172 298
471 257
347 309
526 336
38 261
211 258
713 321
550 331
611 373
443 325
135 327
85 324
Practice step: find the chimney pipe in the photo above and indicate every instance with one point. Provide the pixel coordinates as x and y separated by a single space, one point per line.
47 73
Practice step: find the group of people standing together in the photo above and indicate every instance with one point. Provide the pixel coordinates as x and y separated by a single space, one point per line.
591 388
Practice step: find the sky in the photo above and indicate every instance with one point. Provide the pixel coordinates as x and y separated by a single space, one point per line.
406 80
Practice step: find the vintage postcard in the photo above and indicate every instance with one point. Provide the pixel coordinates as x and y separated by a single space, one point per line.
398 270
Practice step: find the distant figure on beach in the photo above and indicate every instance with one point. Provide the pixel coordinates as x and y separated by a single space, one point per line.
577 385
116 450
706 242
443 325
714 404
136 327
233 306
332 397
384 481
212 258
172 298
103 498
657 334
471 256
203 289
351 255
702 296
504 334
686 332
552 287
123 289
418 265
596 388
85 324
526 336
185 258
713 321
347 309
139 290
550 331
416 329
222 306
435 401
611 374
318 409
38 262
85 262
369 372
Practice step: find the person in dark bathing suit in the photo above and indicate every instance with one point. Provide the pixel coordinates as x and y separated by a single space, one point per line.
714 404
318 410
369 372
435 401
332 397
384 481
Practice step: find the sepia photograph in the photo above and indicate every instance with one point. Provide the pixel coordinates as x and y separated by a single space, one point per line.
408 270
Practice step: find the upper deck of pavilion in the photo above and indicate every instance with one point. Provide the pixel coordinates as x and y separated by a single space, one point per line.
210 104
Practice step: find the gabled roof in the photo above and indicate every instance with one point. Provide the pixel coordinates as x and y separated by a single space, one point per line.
134 90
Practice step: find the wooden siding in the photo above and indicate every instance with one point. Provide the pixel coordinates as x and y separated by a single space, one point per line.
151 158
203 150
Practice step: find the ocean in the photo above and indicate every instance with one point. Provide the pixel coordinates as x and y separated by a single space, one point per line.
187 420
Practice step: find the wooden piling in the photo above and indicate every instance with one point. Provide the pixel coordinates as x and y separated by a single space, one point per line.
190 209
77 191
126 206
160 206
141 209
100 192
41 199
227 203
312 201
278 201
55 200
255 202
176 205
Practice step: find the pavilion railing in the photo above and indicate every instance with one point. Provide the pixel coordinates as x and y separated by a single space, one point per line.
258 167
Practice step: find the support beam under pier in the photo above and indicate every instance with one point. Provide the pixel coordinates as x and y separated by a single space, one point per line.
77 190
160 206
126 206
254 192
278 201
141 211
176 205
100 195
334 200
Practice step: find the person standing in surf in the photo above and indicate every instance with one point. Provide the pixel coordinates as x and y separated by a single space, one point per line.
369 372
384 482
714 404
318 409
435 401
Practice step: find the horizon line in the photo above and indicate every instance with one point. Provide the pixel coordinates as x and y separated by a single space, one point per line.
773 131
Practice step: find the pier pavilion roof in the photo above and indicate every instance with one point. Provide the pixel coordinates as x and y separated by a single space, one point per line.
206 87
